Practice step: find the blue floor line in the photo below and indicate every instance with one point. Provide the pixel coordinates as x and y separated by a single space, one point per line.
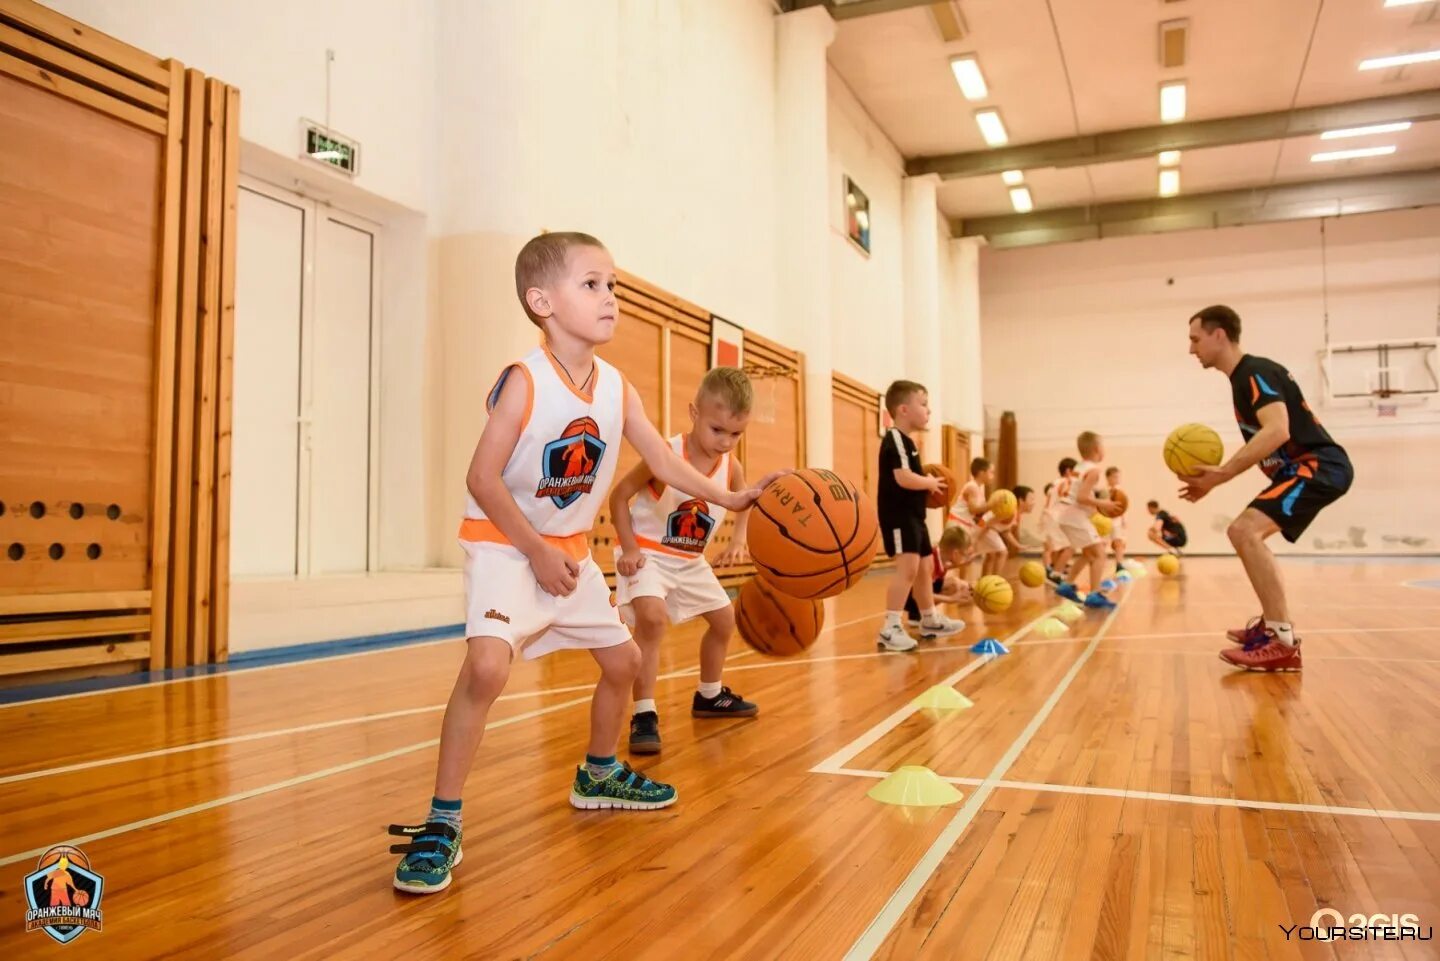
291 654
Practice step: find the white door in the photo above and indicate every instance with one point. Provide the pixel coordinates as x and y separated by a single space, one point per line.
265 439
303 489
341 399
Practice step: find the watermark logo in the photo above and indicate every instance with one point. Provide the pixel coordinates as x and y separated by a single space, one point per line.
1328 924
63 895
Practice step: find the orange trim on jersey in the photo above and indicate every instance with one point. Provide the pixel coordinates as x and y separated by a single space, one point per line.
685 453
1254 390
493 397
565 378
660 548
479 530
1270 495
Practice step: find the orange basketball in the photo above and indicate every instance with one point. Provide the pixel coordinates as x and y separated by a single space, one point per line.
82 898
1118 497
812 533
774 623
952 489
70 853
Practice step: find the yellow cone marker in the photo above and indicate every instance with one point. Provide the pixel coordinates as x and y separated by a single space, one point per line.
942 698
1051 628
915 786
1069 613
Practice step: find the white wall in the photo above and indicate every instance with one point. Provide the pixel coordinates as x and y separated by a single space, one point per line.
1093 336
868 292
383 77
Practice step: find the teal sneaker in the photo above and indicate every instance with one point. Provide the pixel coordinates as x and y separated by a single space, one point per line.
624 788
428 860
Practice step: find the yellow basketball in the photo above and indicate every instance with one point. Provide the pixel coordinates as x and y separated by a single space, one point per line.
1032 573
1002 505
1102 524
1190 446
994 594
1168 564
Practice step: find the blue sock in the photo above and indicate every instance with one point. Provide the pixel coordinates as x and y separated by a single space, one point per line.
599 768
447 811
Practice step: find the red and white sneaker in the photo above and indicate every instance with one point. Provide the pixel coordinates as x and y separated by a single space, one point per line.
1269 656
1252 633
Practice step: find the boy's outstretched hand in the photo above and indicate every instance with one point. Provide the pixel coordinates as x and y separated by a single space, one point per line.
741 500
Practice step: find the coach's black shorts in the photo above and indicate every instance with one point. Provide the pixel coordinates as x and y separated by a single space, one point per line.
907 535
1293 502
1175 539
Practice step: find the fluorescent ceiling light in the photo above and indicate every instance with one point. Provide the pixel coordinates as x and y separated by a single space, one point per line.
1352 154
968 76
1366 131
1021 200
1169 158
1169 182
1013 178
991 127
1405 3
1399 60
1172 101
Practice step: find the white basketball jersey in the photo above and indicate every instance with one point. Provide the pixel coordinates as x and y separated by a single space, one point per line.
671 522
564 460
1070 510
960 512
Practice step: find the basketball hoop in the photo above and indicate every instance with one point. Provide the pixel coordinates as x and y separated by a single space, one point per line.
764 378
1386 410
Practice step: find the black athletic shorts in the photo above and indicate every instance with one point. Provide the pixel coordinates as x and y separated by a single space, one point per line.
907 535
1293 502
1174 538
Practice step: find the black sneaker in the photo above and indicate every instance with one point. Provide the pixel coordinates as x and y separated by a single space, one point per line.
725 704
645 733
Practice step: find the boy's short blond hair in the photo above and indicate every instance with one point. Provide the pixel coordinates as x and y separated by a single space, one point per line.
542 259
1086 443
900 392
730 386
954 538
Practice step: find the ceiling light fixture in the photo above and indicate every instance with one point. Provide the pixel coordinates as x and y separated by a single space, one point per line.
1399 60
1172 101
1356 154
967 74
1366 131
991 127
1021 200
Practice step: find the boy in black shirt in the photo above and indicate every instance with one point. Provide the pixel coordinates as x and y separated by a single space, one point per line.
903 486
1308 471
1167 531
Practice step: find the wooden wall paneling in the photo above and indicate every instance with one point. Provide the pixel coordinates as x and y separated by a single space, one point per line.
81 39
177 649
202 491
172 202
220 586
39 51
82 93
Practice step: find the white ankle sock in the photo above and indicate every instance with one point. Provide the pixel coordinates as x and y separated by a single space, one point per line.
892 619
1283 632
931 616
708 689
648 704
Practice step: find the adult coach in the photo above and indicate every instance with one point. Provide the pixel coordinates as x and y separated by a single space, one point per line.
1308 471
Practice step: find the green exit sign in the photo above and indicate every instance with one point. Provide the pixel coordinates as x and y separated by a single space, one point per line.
325 146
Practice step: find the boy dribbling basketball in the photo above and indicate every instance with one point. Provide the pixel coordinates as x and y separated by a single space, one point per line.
948 560
901 503
997 538
1117 522
1080 503
540 472
661 571
1057 545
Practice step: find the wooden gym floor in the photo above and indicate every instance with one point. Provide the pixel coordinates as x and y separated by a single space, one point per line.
1126 796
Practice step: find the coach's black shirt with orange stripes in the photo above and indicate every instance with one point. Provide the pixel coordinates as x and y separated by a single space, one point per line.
1257 382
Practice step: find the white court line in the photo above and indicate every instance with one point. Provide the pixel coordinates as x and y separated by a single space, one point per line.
1306 633
278 786
841 757
879 929
365 718
149 685
1128 794
317 726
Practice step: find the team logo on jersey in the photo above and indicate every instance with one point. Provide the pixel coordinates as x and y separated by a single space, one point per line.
688 527
569 465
